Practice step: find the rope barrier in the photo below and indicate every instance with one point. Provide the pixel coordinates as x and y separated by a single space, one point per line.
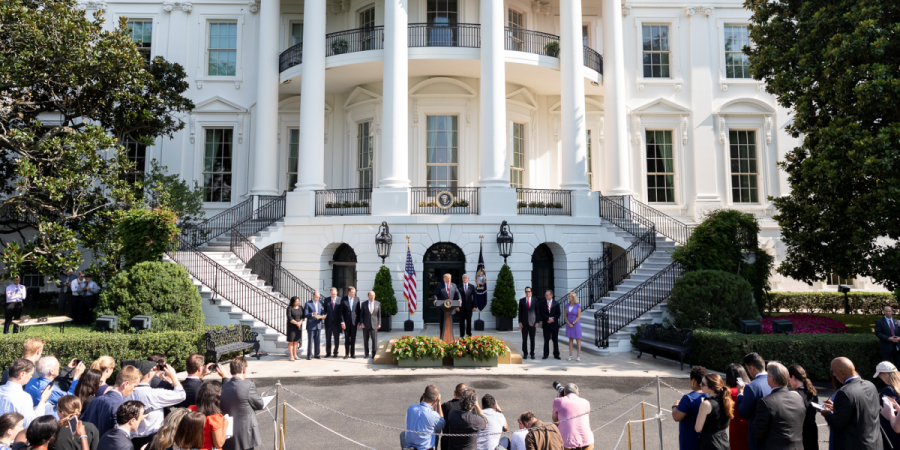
624 427
329 429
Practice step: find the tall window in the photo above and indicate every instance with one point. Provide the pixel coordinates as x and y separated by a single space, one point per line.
296 33
585 36
137 154
365 143
590 166
141 32
737 64
656 51
367 20
222 48
660 167
33 280
515 36
217 165
744 175
834 279
442 159
293 158
442 11
517 169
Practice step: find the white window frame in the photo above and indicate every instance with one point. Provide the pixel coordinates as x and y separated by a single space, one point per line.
671 123
238 170
203 64
525 148
755 123
234 159
760 146
143 16
675 76
356 150
460 12
460 126
287 157
720 54
286 21
360 9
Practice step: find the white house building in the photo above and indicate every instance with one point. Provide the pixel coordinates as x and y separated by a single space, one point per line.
552 115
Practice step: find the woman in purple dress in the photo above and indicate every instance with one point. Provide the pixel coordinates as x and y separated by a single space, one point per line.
573 324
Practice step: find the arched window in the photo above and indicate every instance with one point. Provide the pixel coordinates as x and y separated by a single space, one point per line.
542 277
444 251
343 272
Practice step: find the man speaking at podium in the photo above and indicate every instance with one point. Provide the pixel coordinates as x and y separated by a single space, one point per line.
445 291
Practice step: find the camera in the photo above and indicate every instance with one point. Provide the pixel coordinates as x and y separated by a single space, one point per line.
559 388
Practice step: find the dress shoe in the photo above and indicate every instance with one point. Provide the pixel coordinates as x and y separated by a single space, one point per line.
335 355
353 356
532 356
544 357
557 357
345 356
318 357
307 358
367 356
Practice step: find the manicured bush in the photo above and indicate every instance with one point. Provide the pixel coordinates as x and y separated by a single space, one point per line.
830 302
711 299
719 242
146 234
384 292
504 302
715 349
159 289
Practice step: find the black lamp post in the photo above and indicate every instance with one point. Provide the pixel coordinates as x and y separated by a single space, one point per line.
505 241
383 241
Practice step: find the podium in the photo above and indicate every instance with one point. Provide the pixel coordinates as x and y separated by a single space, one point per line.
447 307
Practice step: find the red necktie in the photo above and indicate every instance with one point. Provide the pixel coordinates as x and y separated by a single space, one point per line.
529 302
448 291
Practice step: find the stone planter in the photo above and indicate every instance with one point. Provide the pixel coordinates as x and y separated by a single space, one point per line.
385 323
504 323
349 211
423 362
469 362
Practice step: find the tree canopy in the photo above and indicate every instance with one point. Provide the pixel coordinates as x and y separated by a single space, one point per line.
70 94
836 64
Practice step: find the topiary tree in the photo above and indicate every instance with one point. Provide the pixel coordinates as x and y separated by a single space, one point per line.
711 299
721 242
504 302
145 235
161 290
384 292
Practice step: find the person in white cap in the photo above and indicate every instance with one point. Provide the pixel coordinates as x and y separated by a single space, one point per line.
888 373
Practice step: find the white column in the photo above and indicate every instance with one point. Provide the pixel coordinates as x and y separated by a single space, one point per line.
265 144
492 132
311 175
572 110
617 172
392 194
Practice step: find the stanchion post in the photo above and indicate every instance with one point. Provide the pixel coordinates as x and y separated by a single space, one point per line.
283 424
659 411
628 425
277 391
643 426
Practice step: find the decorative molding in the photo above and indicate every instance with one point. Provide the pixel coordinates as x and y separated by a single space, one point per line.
768 129
378 119
723 131
684 130
540 8
193 127
724 87
168 6
240 128
468 112
637 129
709 10
199 85
237 85
602 136
640 87
338 6
534 126
677 87
91 4
279 129
415 111
626 10
760 87
253 6
691 10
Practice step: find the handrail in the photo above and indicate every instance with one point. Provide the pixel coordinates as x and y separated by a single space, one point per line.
203 232
444 35
356 40
593 60
612 317
531 41
628 261
666 225
291 57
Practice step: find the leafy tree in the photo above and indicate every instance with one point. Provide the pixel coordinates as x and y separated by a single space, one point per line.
69 175
171 192
384 292
145 235
835 63
711 299
721 242
504 302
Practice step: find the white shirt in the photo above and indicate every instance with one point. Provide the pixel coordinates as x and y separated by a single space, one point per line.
495 424
518 440
14 399
155 400
15 293
75 287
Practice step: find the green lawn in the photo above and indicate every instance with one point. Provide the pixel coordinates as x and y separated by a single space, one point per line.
856 323
46 330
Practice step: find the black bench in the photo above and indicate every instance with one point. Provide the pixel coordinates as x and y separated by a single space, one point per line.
658 337
231 339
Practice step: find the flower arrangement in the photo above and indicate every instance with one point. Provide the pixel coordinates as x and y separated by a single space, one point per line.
552 205
807 323
347 204
419 347
479 348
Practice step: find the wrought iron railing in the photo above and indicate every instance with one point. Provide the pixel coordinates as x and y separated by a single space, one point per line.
291 57
352 41
530 41
666 225
593 60
614 316
445 35
621 267
261 305
203 232
588 292
617 210
344 202
544 202
432 200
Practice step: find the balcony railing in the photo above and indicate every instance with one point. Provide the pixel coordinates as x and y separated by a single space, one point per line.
344 202
291 57
544 202
593 60
530 41
445 35
445 200
352 41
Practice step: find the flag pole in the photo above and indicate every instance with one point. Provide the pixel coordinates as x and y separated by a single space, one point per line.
480 245
408 314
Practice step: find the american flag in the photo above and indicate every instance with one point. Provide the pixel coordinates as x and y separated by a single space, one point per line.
409 283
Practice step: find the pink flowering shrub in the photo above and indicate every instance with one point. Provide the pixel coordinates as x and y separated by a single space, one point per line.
807 323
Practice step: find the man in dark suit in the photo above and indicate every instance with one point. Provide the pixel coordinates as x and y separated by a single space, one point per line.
852 412
528 321
887 330
128 417
549 312
445 291
196 370
778 423
313 312
240 400
348 315
332 323
468 307
370 322
447 408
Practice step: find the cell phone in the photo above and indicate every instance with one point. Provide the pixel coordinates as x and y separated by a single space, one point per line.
885 401
817 406
740 382
77 362
73 424
47 387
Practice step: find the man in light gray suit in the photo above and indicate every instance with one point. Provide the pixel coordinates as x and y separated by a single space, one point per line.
313 312
239 400
370 322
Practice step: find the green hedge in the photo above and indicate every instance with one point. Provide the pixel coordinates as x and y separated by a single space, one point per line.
830 302
715 349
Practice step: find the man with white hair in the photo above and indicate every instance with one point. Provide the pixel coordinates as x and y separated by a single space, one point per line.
47 369
576 433
778 423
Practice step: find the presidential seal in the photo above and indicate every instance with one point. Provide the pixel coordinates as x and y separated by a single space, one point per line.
444 199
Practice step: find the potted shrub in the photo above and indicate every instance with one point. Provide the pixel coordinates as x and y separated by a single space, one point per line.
504 306
552 49
340 46
419 351
384 294
477 351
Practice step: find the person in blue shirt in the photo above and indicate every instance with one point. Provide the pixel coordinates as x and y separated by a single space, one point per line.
427 417
685 411
755 390
47 370
102 411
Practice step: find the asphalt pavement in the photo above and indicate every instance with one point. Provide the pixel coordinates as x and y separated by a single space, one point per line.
383 400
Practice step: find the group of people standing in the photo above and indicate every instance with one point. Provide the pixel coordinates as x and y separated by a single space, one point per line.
547 313
336 315
77 293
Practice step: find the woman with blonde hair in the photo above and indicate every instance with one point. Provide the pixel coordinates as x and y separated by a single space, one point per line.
67 407
165 437
573 324
714 414
105 365
891 377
